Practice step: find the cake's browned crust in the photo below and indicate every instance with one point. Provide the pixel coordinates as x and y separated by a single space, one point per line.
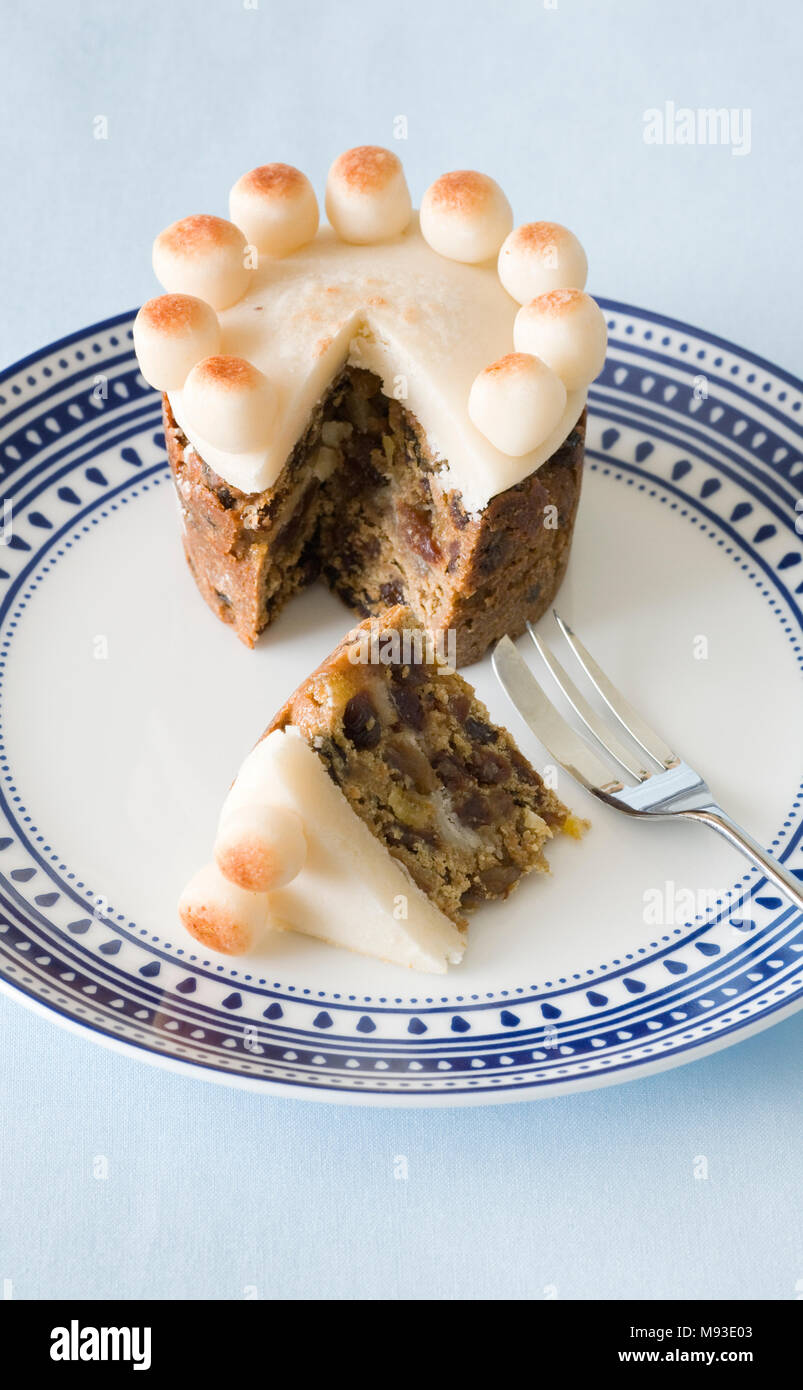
419 760
361 503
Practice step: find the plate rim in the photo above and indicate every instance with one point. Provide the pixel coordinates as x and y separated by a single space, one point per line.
409 1100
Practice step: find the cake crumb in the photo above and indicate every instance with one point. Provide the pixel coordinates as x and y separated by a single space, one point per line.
575 826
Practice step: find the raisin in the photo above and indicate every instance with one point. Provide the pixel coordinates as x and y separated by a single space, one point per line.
416 531
499 878
360 724
475 811
418 673
489 767
392 592
459 705
526 773
224 599
408 705
479 731
225 497
359 465
410 762
496 552
450 772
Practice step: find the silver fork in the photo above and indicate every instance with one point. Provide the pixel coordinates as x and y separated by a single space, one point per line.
665 786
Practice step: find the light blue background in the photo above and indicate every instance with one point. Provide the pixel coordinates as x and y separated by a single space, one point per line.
211 1192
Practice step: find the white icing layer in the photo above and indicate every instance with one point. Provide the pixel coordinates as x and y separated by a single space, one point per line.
426 325
349 891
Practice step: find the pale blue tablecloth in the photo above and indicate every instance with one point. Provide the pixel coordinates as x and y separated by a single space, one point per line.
216 1193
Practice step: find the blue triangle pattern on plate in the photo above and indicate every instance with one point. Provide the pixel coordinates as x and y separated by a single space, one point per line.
273 1012
675 967
765 533
417 1026
509 1020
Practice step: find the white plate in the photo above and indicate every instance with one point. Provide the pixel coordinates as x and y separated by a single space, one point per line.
126 708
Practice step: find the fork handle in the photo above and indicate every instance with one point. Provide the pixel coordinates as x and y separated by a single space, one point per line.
720 821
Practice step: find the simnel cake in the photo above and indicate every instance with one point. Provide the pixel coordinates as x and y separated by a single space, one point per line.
393 402
380 806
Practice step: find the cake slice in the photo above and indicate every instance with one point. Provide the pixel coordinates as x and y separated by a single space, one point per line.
380 806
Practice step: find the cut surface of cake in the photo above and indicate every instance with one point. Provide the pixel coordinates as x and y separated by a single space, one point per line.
394 403
380 806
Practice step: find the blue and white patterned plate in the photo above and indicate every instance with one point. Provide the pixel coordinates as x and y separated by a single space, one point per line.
125 709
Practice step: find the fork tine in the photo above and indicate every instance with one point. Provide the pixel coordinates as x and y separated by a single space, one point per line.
595 725
638 729
560 740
